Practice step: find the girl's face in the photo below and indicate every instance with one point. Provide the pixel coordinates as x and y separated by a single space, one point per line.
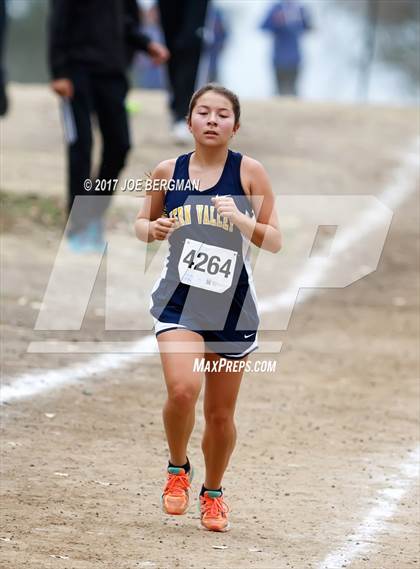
213 120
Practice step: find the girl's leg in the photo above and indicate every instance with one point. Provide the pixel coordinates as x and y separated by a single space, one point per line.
221 392
183 386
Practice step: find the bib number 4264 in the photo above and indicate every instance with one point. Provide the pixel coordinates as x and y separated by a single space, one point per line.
206 266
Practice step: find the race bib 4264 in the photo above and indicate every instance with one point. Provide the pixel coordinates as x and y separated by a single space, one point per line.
207 266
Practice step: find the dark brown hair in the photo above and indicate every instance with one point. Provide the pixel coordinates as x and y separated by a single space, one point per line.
230 95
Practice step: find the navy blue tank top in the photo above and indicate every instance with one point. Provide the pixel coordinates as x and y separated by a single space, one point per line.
173 299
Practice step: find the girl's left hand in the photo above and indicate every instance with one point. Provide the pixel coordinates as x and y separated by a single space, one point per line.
226 207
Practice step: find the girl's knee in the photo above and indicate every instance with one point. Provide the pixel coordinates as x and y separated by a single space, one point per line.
183 397
219 418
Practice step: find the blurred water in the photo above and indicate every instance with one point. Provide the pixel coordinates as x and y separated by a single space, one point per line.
245 65
333 52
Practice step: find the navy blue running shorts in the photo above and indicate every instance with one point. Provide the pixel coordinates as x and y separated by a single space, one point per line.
231 344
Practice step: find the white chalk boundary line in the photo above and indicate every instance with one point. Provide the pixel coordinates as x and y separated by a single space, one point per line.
402 184
387 502
70 347
399 189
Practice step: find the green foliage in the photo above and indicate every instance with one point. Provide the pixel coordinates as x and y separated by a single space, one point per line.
19 210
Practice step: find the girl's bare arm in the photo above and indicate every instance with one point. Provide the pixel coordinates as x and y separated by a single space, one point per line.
262 230
150 224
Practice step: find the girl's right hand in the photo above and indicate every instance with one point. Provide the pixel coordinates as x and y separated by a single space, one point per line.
163 227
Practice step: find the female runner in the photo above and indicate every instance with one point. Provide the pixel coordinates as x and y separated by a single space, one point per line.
209 205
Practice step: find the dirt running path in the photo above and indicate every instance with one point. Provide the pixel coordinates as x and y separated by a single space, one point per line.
318 440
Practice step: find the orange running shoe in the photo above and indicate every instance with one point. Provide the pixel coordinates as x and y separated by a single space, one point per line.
213 511
175 497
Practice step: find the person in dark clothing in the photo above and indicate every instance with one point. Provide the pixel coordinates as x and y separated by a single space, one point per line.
3 95
287 21
148 75
218 35
91 44
183 25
